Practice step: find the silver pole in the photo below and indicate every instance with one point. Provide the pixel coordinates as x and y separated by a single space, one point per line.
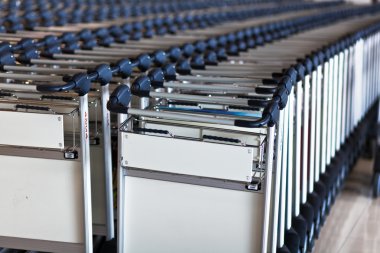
106 124
120 190
85 148
298 149
121 118
290 168
204 99
278 170
318 123
313 103
268 188
284 157
177 116
324 116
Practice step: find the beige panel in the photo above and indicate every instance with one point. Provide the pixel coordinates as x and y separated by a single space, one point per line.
31 129
188 157
164 217
41 199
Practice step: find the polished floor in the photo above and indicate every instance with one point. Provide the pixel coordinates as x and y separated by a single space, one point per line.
353 225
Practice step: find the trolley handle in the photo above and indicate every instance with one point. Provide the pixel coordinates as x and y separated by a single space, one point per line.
80 83
121 97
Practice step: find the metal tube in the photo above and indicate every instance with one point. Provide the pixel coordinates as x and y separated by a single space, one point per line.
121 243
318 123
268 189
18 87
276 241
217 79
290 169
85 149
330 111
45 70
106 126
212 87
305 145
182 117
197 98
31 77
312 130
298 149
284 157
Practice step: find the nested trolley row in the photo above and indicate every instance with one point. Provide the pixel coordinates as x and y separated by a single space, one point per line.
233 135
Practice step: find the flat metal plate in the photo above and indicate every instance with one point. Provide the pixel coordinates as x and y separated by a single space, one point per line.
188 157
31 130
165 217
41 199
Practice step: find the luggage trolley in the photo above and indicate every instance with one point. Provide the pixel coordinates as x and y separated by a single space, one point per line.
50 205
100 136
205 181
184 123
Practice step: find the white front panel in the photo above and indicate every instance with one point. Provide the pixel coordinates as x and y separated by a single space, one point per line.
166 217
41 199
31 130
188 157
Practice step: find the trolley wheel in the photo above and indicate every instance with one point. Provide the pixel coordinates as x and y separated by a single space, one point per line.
376 185
283 249
308 213
369 150
310 247
299 224
292 240
108 246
